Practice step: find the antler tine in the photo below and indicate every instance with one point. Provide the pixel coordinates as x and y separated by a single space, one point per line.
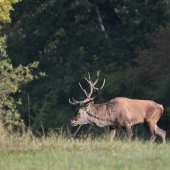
73 103
91 87
96 78
98 89
89 76
83 90
102 84
87 80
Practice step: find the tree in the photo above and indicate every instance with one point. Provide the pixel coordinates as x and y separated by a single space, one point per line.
5 8
65 37
153 66
11 78
10 81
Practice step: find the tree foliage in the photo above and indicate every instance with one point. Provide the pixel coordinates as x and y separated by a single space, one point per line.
67 40
11 78
153 66
5 8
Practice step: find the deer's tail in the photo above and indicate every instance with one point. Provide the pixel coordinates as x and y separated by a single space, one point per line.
162 108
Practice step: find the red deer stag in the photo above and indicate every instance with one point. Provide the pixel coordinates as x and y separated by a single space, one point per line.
120 112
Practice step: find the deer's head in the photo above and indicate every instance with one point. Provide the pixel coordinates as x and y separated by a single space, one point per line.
81 114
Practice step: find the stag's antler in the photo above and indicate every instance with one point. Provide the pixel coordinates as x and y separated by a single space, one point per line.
96 91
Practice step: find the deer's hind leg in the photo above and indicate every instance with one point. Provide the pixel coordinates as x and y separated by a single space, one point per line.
161 133
154 129
152 132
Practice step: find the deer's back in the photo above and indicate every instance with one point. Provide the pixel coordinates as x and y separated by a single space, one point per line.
123 110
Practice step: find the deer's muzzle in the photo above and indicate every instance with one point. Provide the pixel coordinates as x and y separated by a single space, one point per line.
74 122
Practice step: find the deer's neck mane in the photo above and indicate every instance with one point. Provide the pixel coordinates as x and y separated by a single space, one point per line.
98 114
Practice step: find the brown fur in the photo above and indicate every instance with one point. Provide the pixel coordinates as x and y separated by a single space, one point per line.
123 113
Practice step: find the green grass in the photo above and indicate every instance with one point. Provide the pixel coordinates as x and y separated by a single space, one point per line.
57 152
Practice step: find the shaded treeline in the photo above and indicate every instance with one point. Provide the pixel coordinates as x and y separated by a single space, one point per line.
123 39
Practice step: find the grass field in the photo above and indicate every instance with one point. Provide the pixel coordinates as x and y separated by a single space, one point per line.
56 152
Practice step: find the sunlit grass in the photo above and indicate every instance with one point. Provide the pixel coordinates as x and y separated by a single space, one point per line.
60 151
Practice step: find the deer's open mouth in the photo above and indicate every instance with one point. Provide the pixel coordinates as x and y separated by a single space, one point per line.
74 123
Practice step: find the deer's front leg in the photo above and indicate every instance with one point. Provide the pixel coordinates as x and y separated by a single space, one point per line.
112 133
128 132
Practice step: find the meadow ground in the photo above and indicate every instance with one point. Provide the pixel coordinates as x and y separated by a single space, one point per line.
58 152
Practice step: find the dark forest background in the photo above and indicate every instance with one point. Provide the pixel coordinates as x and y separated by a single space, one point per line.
132 52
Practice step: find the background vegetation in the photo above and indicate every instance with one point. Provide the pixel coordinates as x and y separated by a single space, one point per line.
65 38
130 46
